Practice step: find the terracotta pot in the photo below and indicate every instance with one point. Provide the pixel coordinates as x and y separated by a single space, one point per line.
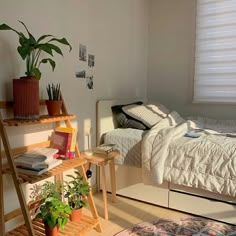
76 214
53 107
26 98
49 231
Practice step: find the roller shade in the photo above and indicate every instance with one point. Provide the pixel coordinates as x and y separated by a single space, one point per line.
215 52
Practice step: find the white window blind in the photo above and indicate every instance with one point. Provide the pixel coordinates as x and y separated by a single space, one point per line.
215 55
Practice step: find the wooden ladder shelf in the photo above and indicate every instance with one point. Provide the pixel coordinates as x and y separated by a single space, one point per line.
35 227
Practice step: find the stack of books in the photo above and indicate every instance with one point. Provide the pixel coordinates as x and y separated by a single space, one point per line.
37 161
64 139
104 148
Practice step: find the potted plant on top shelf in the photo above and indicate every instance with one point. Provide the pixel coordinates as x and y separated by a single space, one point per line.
34 52
54 101
76 191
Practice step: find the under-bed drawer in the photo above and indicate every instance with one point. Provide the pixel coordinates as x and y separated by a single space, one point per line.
202 206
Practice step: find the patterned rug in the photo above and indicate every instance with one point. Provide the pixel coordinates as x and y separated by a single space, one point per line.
194 226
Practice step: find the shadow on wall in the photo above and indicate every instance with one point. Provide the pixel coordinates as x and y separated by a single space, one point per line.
9 68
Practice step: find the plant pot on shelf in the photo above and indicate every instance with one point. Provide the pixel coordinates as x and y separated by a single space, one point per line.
49 231
53 107
76 214
26 98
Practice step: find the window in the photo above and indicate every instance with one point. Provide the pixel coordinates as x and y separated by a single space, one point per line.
215 55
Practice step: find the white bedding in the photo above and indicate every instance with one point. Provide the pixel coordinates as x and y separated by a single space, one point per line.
128 142
207 162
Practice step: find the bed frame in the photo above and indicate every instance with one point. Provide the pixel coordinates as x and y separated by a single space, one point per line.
186 199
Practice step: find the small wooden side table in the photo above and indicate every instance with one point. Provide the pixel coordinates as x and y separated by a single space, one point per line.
101 160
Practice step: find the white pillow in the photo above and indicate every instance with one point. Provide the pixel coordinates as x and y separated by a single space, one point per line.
148 114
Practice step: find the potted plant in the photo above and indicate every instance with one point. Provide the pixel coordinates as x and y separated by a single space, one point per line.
53 211
34 52
54 214
54 101
76 191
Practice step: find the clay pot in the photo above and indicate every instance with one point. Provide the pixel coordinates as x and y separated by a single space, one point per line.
53 107
76 214
49 231
26 98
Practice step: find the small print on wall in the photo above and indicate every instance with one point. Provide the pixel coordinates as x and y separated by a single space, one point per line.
89 82
91 60
81 74
82 52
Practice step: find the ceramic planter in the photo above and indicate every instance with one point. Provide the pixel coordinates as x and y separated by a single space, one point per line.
49 231
53 107
26 98
76 214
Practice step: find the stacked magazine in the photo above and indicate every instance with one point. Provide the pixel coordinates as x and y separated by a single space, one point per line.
37 161
104 148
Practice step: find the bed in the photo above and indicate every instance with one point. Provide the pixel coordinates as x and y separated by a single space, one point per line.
132 181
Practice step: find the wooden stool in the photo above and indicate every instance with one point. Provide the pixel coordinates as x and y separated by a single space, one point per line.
101 160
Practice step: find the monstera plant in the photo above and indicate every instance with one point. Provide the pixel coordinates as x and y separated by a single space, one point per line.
34 52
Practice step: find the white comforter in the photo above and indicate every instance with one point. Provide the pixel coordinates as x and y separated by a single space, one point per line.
207 162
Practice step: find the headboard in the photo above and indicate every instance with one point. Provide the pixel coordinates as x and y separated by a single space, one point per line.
105 122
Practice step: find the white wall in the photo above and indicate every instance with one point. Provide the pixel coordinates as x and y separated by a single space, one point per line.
171 59
116 32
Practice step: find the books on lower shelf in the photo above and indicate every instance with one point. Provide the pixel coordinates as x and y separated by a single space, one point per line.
37 161
38 171
104 148
64 139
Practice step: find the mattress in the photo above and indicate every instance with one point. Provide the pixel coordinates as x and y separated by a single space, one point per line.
128 142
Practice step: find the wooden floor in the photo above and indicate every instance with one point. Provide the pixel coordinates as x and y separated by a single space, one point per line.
125 213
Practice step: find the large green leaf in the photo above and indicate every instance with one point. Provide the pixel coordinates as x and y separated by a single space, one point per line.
43 37
31 37
7 27
63 41
52 63
46 48
55 48
23 51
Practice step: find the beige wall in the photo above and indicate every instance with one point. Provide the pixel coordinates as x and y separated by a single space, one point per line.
116 32
171 59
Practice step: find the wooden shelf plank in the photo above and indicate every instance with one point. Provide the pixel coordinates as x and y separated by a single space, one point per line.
77 228
42 120
66 165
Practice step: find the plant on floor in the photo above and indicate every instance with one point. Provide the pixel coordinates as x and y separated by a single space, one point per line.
31 50
76 191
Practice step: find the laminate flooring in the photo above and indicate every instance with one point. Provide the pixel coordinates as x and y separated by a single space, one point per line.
126 212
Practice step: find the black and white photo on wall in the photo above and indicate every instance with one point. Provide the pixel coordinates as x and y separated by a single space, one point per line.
89 82
82 52
91 60
81 74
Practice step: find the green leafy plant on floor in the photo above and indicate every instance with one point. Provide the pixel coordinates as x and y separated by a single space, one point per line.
30 50
76 191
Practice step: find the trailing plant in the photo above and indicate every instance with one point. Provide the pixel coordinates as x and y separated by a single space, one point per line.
30 50
54 92
54 212
76 191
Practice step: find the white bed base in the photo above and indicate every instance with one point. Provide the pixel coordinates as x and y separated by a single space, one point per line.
191 200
